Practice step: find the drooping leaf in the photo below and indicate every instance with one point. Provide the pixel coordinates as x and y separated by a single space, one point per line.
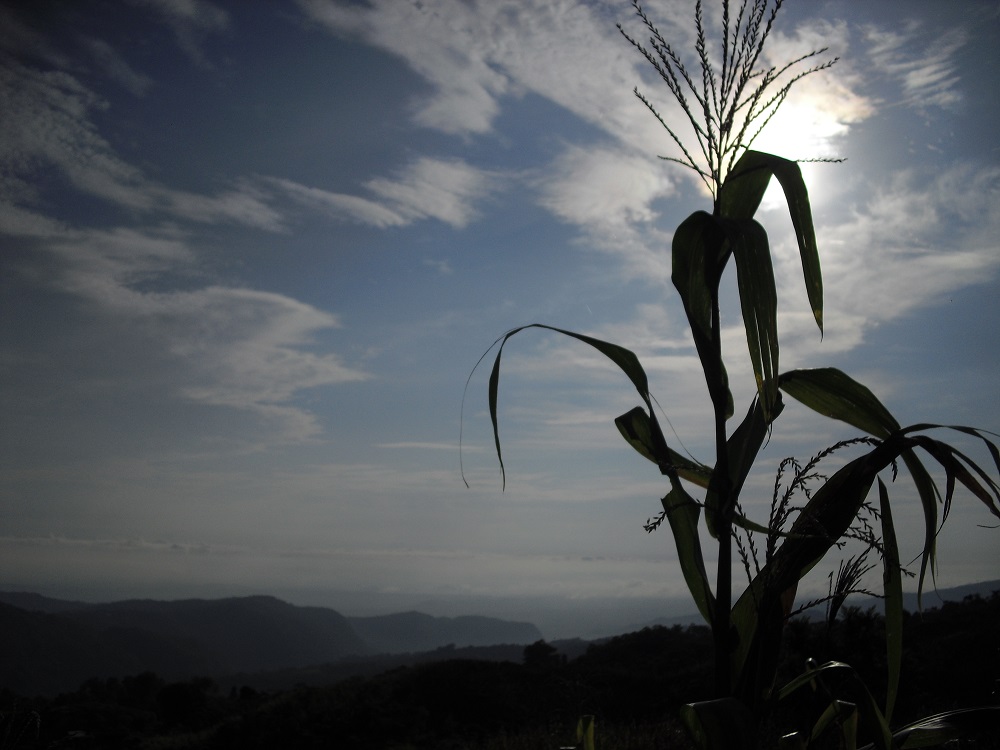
759 614
863 699
759 302
682 514
745 185
625 359
843 714
951 460
742 192
934 731
929 496
640 432
835 394
698 256
748 438
892 589
962 469
585 732
699 253
701 248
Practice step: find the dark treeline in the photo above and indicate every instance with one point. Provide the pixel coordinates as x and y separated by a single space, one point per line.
631 683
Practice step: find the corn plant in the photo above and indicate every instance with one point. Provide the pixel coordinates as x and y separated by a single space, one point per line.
727 103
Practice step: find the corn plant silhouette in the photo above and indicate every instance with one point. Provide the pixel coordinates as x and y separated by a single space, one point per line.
727 107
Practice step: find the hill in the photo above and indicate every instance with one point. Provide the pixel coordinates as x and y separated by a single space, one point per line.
51 645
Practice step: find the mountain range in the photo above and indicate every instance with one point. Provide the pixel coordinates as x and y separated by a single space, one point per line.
52 645
48 646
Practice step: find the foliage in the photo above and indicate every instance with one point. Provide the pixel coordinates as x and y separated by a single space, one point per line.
726 108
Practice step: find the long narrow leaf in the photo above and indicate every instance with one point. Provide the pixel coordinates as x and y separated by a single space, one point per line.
759 302
834 394
625 359
742 449
929 496
698 256
865 701
934 731
699 252
955 462
892 588
846 716
742 192
640 432
682 514
759 613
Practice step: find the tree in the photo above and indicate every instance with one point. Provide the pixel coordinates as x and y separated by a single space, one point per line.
726 107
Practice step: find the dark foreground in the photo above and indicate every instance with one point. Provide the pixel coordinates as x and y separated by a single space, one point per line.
631 684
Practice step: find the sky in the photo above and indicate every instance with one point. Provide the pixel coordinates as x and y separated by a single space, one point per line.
251 252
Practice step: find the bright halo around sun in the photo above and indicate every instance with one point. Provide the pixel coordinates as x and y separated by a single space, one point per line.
813 123
801 131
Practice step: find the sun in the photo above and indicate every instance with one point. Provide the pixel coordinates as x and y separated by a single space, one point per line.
802 130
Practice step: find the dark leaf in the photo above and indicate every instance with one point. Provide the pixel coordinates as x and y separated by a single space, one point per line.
742 192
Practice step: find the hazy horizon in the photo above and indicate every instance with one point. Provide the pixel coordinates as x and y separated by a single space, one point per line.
587 618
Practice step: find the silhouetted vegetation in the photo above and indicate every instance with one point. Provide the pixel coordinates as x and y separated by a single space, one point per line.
629 683
728 97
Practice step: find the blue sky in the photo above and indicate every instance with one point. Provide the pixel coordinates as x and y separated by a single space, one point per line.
251 252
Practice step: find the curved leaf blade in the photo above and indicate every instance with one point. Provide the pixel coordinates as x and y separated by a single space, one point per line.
933 731
864 700
834 394
740 197
759 302
640 432
699 252
624 358
742 449
682 514
892 588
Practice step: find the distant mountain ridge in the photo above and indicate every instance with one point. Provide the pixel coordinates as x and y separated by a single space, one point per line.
409 632
931 598
51 645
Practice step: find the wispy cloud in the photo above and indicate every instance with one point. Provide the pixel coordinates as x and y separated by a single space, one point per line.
432 188
909 240
18 38
190 20
224 346
603 188
238 348
450 447
49 125
920 61
443 267
116 67
434 40
476 56
914 240
446 190
341 206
